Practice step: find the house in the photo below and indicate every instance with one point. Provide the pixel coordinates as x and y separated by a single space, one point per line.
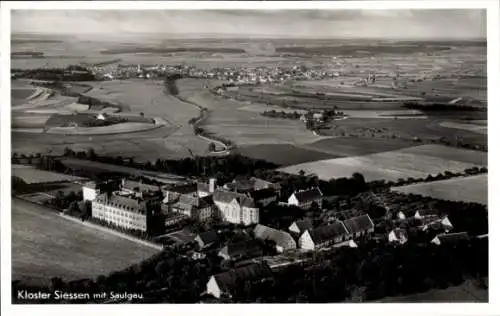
398 235
130 186
401 215
250 185
449 238
443 224
264 196
206 189
223 284
172 219
236 208
300 226
200 209
324 236
421 214
305 198
284 241
207 239
172 194
239 250
359 225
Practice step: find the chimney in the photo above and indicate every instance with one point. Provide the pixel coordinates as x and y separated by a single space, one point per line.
211 185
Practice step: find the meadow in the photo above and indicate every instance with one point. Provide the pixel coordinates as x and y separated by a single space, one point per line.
45 245
467 189
392 165
31 175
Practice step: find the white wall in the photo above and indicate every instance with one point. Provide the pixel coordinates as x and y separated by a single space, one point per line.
89 194
306 242
213 288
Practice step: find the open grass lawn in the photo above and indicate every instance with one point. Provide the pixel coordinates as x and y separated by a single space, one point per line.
45 245
467 189
354 146
389 165
32 175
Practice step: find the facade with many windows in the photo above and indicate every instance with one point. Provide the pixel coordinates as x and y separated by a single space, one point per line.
125 211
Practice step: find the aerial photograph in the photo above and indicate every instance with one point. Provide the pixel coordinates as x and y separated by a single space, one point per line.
249 156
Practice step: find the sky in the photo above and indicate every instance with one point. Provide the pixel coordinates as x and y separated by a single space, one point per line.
389 24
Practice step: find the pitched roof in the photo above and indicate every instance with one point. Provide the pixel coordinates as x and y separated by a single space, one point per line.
328 232
281 238
184 189
308 195
400 233
304 224
245 247
209 237
252 272
358 224
131 185
195 201
228 197
427 212
452 237
121 202
263 194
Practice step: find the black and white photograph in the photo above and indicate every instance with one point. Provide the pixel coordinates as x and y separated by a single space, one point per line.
247 155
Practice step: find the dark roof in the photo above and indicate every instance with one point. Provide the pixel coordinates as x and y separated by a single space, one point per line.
184 189
209 237
304 224
243 248
453 237
328 232
252 272
427 212
131 185
308 195
249 185
263 194
121 202
281 238
358 224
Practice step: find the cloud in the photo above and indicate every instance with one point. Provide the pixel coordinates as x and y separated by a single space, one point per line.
290 23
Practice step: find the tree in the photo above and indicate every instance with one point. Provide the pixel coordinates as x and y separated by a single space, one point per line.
91 154
141 114
211 147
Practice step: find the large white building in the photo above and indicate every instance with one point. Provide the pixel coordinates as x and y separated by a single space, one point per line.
324 236
125 211
236 208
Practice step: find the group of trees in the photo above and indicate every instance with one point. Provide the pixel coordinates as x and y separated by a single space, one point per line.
70 73
371 272
282 114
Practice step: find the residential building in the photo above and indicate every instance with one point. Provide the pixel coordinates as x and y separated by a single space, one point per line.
284 241
200 209
250 185
324 236
172 194
401 215
206 189
420 214
236 208
127 211
224 284
264 196
92 189
439 224
239 250
300 226
359 225
398 235
129 186
449 238
172 219
305 198
207 239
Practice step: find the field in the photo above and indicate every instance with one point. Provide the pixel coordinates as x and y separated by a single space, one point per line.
464 293
468 189
31 175
45 245
283 154
416 162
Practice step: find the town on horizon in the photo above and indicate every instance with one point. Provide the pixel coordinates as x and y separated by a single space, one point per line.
223 156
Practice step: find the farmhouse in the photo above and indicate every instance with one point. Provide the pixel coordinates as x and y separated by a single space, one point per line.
236 208
298 227
398 235
305 198
239 250
359 226
207 239
223 284
450 238
126 211
442 224
283 240
324 236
